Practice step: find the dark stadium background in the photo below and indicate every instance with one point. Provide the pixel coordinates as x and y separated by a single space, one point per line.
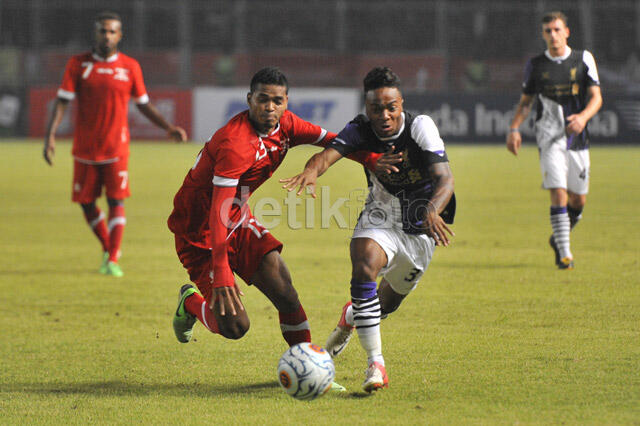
460 61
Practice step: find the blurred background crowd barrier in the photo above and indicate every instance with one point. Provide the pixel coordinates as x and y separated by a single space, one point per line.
461 61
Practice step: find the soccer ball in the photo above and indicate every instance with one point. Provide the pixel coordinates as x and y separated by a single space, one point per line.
306 371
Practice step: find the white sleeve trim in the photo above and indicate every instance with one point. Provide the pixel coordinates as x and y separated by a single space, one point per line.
223 181
144 99
323 133
588 59
65 94
426 135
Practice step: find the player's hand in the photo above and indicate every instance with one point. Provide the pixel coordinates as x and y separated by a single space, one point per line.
576 124
514 141
305 179
227 299
178 134
386 162
437 228
49 150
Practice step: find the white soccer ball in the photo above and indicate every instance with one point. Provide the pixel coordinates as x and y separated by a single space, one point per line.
306 371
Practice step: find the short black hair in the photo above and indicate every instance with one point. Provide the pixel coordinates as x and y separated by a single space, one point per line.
381 77
552 16
103 16
269 75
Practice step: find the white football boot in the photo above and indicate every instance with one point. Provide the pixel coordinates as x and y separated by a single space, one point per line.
340 336
376 378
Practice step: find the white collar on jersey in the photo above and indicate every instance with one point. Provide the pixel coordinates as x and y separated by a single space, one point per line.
558 59
270 134
101 59
390 138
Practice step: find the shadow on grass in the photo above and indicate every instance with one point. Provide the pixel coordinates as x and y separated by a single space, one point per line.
359 395
122 388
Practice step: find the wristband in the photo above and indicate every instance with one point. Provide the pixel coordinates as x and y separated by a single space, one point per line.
512 130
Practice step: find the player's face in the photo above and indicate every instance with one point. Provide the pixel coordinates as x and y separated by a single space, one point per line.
555 34
266 105
384 109
108 35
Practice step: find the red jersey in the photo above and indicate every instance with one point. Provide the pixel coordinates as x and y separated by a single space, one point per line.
103 88
234 163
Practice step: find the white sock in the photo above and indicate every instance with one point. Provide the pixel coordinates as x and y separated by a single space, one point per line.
366 317
561 227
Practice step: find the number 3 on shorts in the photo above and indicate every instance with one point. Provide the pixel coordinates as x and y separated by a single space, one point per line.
412 275
125 177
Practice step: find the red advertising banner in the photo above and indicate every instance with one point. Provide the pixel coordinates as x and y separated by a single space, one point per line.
173 104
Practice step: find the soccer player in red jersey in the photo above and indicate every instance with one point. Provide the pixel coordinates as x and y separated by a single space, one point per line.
103 81
215 231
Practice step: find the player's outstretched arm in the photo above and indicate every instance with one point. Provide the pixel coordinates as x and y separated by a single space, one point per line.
435 226
49 150
514 139
380 164
315 167
176 133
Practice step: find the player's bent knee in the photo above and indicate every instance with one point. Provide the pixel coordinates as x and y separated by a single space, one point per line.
234 330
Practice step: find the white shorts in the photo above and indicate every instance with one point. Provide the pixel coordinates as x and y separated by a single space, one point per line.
564 168
408 256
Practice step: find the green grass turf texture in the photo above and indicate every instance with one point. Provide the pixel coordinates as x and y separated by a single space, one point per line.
493 334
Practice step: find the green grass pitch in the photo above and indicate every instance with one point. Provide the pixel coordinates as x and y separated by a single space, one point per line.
493 334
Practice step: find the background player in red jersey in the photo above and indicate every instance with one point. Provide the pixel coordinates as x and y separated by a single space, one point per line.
103 81
216 233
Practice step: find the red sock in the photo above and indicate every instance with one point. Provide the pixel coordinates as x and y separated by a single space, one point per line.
295 327
95 219
117 221
198 306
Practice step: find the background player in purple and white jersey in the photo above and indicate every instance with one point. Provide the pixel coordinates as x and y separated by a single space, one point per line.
566 85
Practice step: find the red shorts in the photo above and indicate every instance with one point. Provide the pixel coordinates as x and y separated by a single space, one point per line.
248 244
88 180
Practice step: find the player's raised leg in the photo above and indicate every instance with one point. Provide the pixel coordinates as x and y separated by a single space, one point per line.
231 322
367 259
196 303
390 300
183 320
192 305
